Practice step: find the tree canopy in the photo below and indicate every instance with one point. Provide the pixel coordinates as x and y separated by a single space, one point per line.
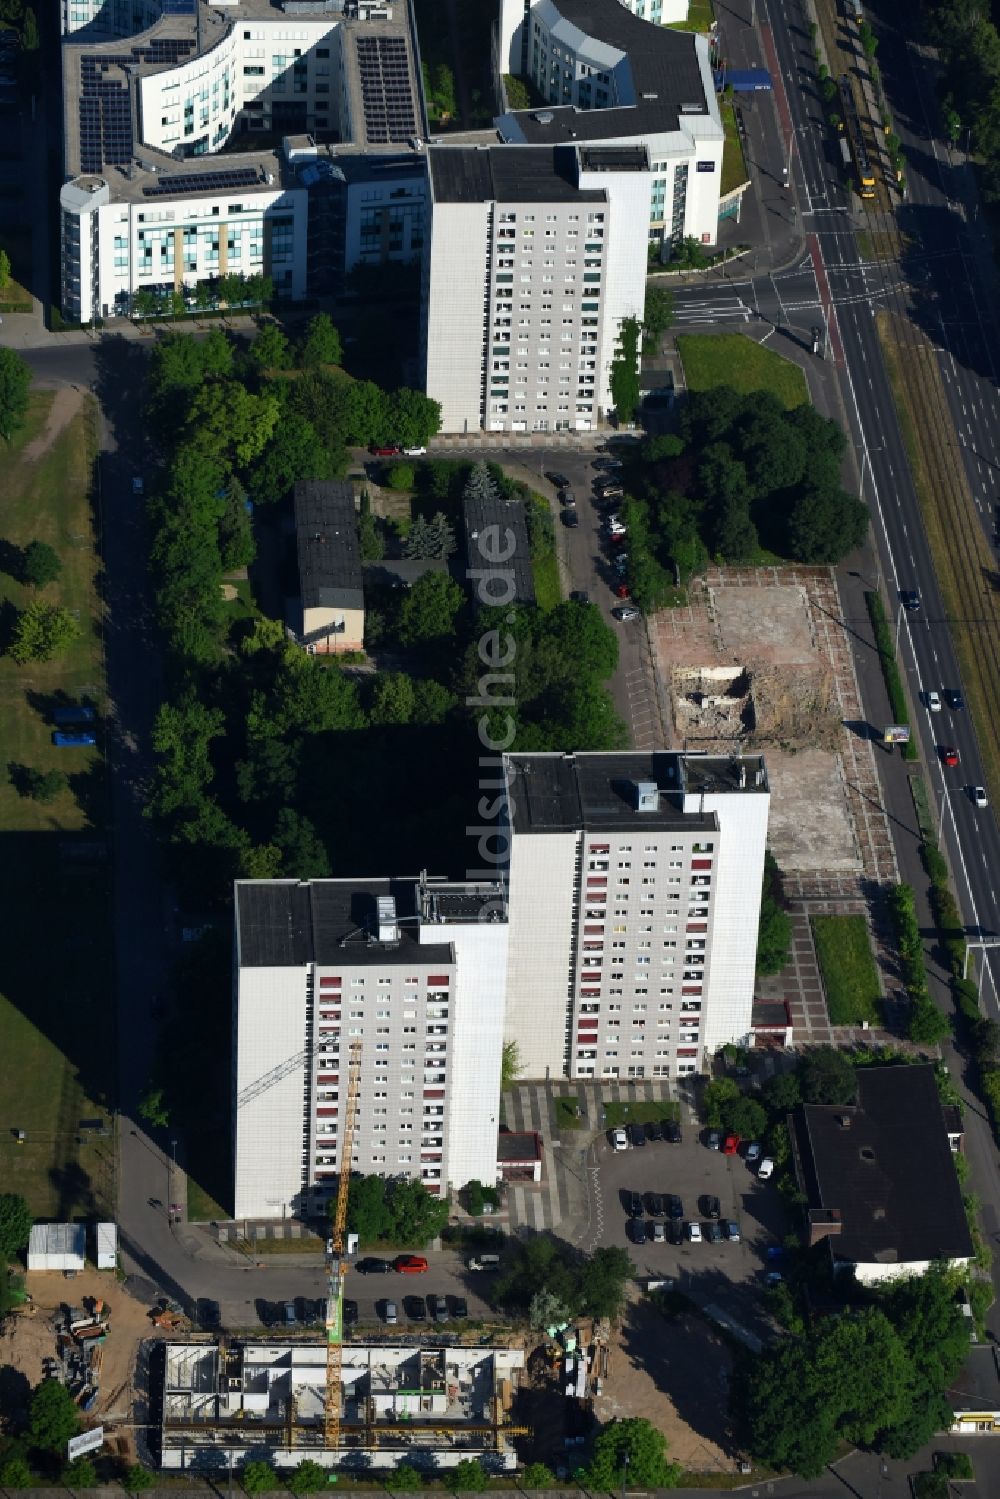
633 1452
15 382
52 1417
15 1225
42 631
393 1209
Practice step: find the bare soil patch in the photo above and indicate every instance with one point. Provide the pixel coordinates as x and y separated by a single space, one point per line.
65 404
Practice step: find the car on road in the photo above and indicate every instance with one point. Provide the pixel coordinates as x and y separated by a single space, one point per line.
909 598
933 700
625 614
713 1232
658 1233
569 518
694 1232
730 1144
559 480
567 497
414 1308
390 1313
753 1153
672 1131
949 754
978 795
634 1204
372 1266
459 1308
713 1140
954 699
619 1139
636 1230
415 452
730 1230
137 485
675 1208
384 450
637 1134
709 1206
410 1264
766 1169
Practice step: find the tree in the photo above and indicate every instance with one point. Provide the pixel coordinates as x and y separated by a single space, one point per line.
781 1093
631 1452
510 1065
625 370
602 1280
404 1479
370 538
733 536
183 732
137 1478
270 351
744 1117
307 1478
303 852
480 485
4 270
15 1225
42 785
774 931
320 344
537 1476
392 699
826 1076
236 544
824 525
80 1474
429 610
258 1478
367 1210
29 31
15 382
226 423
412 417
547 1310
15 1474
927 1024
717 1094
52 1417
443 89
295 451
153 1107
468 1476
40 564
400 478
433 538
658 315
42 632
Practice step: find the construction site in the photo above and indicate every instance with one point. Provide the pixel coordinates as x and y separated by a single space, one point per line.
426 1405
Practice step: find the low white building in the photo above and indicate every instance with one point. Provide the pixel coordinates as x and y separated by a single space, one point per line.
106 1246
57 1246
428 1405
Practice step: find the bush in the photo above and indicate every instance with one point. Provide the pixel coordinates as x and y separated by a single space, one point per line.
537 1476
404 1479
259 1478
466 1477
886 648
40 564
401 476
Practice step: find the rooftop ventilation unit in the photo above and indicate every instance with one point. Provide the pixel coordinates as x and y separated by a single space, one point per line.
543 118
388 930
647 796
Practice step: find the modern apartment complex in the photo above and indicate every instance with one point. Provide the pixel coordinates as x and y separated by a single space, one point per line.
153 93
414 969
619 943
635 886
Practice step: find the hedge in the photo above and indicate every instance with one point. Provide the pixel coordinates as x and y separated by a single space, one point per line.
886 648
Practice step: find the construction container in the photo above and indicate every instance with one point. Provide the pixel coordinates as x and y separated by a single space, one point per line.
107 1246
57 1246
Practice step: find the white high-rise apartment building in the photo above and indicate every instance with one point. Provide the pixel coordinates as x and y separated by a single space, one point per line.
635 885
414 969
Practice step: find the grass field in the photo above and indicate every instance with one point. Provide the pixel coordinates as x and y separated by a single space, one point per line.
711 359
701 14
566 1114
616 1114
734 167
847 968
56 1000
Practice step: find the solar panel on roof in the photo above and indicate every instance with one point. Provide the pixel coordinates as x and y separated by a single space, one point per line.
203 182
105 105
386 96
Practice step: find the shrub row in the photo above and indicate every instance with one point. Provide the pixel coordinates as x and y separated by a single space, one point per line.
927 1024
890 669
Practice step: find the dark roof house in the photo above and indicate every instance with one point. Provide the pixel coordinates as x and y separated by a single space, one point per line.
879 1177
497 549
329 615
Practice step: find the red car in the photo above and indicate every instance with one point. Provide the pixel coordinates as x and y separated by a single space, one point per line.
410 1264
388 450
622 591
949 754
730 1145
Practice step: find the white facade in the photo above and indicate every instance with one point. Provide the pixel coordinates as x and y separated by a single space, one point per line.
455 275
269 1033
660 12
633 933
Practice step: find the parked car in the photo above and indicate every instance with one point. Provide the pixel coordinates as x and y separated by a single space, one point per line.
569 518
655 1205
390 1313
372 1266
459 1308
414 1308
765 1169
384 450
954 699
636 1230
658 1233
713 1140
949 754
484 1262
731 1230
730 1144
410 1264
567 497
580 596
753 1153
713 1233
635 1208
654 1130
559 480
623 591
415 452
978 795
675 1231
619 1139
672 1130
709 1206
626 614
933 700
675 1208
694 1232
637 1134
350 1313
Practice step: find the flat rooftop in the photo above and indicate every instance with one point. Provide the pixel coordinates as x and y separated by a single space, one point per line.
506 174
488 519
559 793
326 542
290 923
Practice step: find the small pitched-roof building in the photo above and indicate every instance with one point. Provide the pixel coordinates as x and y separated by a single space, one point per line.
328 617
879 1177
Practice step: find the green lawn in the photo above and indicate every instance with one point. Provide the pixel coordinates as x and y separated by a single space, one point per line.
548 592
847 968
734 167
701 14
57 1034
711 359
566 1113
616 1114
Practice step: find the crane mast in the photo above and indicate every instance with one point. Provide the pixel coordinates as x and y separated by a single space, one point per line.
338 1258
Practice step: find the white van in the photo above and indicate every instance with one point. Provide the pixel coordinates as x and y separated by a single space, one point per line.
484 1262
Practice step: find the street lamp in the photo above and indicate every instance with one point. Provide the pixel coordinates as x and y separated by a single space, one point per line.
625 1459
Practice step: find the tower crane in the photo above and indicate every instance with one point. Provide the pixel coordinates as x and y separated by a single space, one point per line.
338 1258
